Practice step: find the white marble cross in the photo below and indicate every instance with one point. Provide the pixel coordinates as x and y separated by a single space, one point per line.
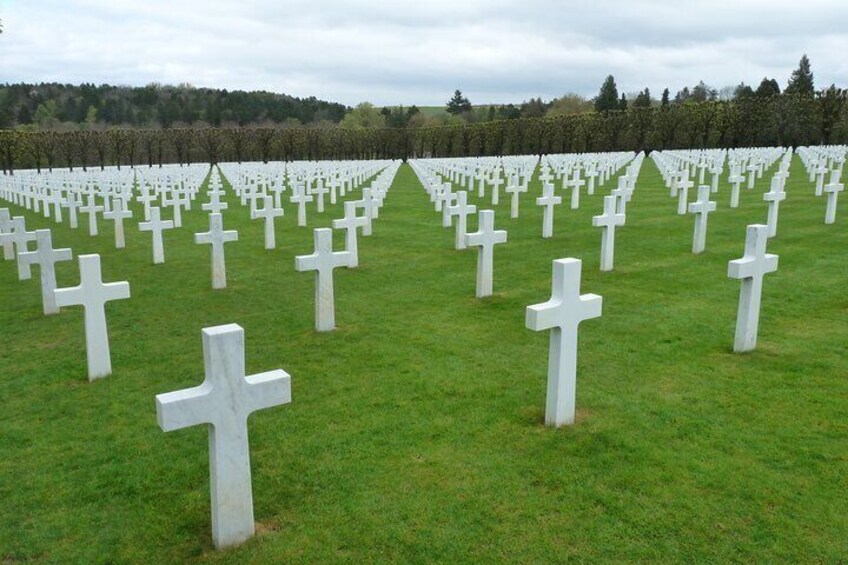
217 237
701 208
118 214
91 209
157 226
832 189
6 234
368 207
224 401
750 268
21 238
609 220
268 213
214 205
496 183
46 258
321 190
562 314
774 197
461 210
300 198
323 260
349 223
683 186
72 204
548 200
485 238
735 179
514 189
92 294
575 183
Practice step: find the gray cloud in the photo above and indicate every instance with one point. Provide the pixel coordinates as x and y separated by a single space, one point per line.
418 52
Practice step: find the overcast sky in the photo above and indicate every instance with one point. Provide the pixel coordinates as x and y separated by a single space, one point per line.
418 52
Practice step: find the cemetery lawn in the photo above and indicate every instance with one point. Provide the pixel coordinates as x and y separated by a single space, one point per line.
415 433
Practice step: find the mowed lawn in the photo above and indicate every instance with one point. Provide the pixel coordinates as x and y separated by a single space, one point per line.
415 433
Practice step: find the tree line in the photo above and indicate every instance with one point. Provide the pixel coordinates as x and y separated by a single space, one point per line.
780 119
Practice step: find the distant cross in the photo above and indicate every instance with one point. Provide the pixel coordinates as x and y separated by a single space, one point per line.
701 208
735 179
562 314
368 206
217 237
323 260
21 238
301 198
832 189
46 258
350 223
444 202
609 220
6 235
224 401
91 209
485 238
753 168
591 173
575 183
683 186
774 197
214 205
146 199
118 214
548 200
715 173
481 182
268 213
56 197
751 268
461 210
514 189
496 183
175 202
92 294
157 226
321 190
72 204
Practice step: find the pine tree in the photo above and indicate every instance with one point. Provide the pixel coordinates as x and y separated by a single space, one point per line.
607 98
801 81
664 101
622 103
459 104
643 100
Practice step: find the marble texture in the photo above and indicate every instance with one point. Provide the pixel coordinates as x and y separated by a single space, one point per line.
93 294
548 200
701 208
118 214
156 226
268 213
217 237
562 315
223 402
46 258
608 221
323 261
750 269
485 240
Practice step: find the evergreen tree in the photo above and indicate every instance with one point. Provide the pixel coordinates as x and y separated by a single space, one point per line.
743 91
622 103
643 100
459 104
664 100
768 87
607 98
801 81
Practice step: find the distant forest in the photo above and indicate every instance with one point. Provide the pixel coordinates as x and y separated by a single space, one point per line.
55 106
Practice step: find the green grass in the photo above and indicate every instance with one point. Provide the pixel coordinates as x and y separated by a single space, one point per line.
416 430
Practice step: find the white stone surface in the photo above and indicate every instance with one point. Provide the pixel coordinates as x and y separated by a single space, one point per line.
268 213
608 221
46 258
774 197
323 260
683 186
92 294
217 237
91 208
485 238
6 239
562 315
751 268
118 214
548 200
224 401
701 208
21 238
462 209
156 225
350 223
832 189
